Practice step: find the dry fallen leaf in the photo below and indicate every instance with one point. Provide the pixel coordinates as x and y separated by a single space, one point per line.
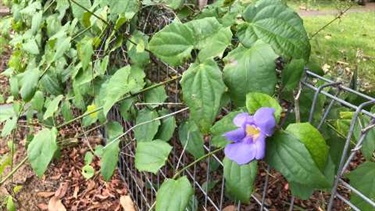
76 190
62 190
45 194
230 208
55 204
127 203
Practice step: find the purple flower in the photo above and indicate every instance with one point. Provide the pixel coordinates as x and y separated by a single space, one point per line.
249 139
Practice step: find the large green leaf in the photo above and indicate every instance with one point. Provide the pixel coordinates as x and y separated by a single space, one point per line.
173 43
363 179
146 131
109 157
203 86
174 195
313 141
273 22
239 179
29 83
191 139
41 150
151 156
125 80
85 51
250 70
256 100
291 157
52 107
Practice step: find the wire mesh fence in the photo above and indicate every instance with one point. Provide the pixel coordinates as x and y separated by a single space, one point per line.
271 190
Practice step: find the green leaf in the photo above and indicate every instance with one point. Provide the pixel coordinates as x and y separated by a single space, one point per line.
174 4
215 45
292 73
256 100
250 70
146 131
222 126
85 51
41 150
124 7
167 127
174 195
6 113
147 160
203 86
156 95
109 159
125 80
66 111
29 83
88 171
300 190
10 204
31 46
363 179
173 43
239 179
137 45
368 144
191 139
127 109
38 101
273 22
78 11
290 156
313 140
9 125
51 84
52 107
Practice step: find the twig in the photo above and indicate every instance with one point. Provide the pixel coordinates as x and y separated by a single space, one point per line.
13 171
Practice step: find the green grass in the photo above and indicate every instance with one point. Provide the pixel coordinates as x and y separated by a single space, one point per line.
321 4
341 40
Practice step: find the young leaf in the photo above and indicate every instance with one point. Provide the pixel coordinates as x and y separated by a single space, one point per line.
203 86
167 127
190 136
41 150
151 156
52 107
124 80
174 195
256 100
278 25
363 179
290 156
239 179
173 43
146 131
88 171
313 141
9 125
250 70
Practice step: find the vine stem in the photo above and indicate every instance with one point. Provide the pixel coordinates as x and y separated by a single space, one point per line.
124 98
14 170
333 20
92 13
190 165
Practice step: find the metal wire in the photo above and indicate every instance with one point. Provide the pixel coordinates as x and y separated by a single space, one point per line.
143 186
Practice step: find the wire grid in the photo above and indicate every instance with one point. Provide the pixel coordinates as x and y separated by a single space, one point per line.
143 186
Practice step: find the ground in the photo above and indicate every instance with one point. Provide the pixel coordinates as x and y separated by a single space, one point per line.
63 185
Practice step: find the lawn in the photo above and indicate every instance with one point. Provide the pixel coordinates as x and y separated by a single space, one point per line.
345 45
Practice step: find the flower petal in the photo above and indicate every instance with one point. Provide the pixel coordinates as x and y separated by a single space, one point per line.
242 118
259 147
239 152
235 135
264 119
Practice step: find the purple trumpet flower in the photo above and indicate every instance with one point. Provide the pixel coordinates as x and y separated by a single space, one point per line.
249 139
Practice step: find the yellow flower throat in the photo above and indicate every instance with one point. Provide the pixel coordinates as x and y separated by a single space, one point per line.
253 132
